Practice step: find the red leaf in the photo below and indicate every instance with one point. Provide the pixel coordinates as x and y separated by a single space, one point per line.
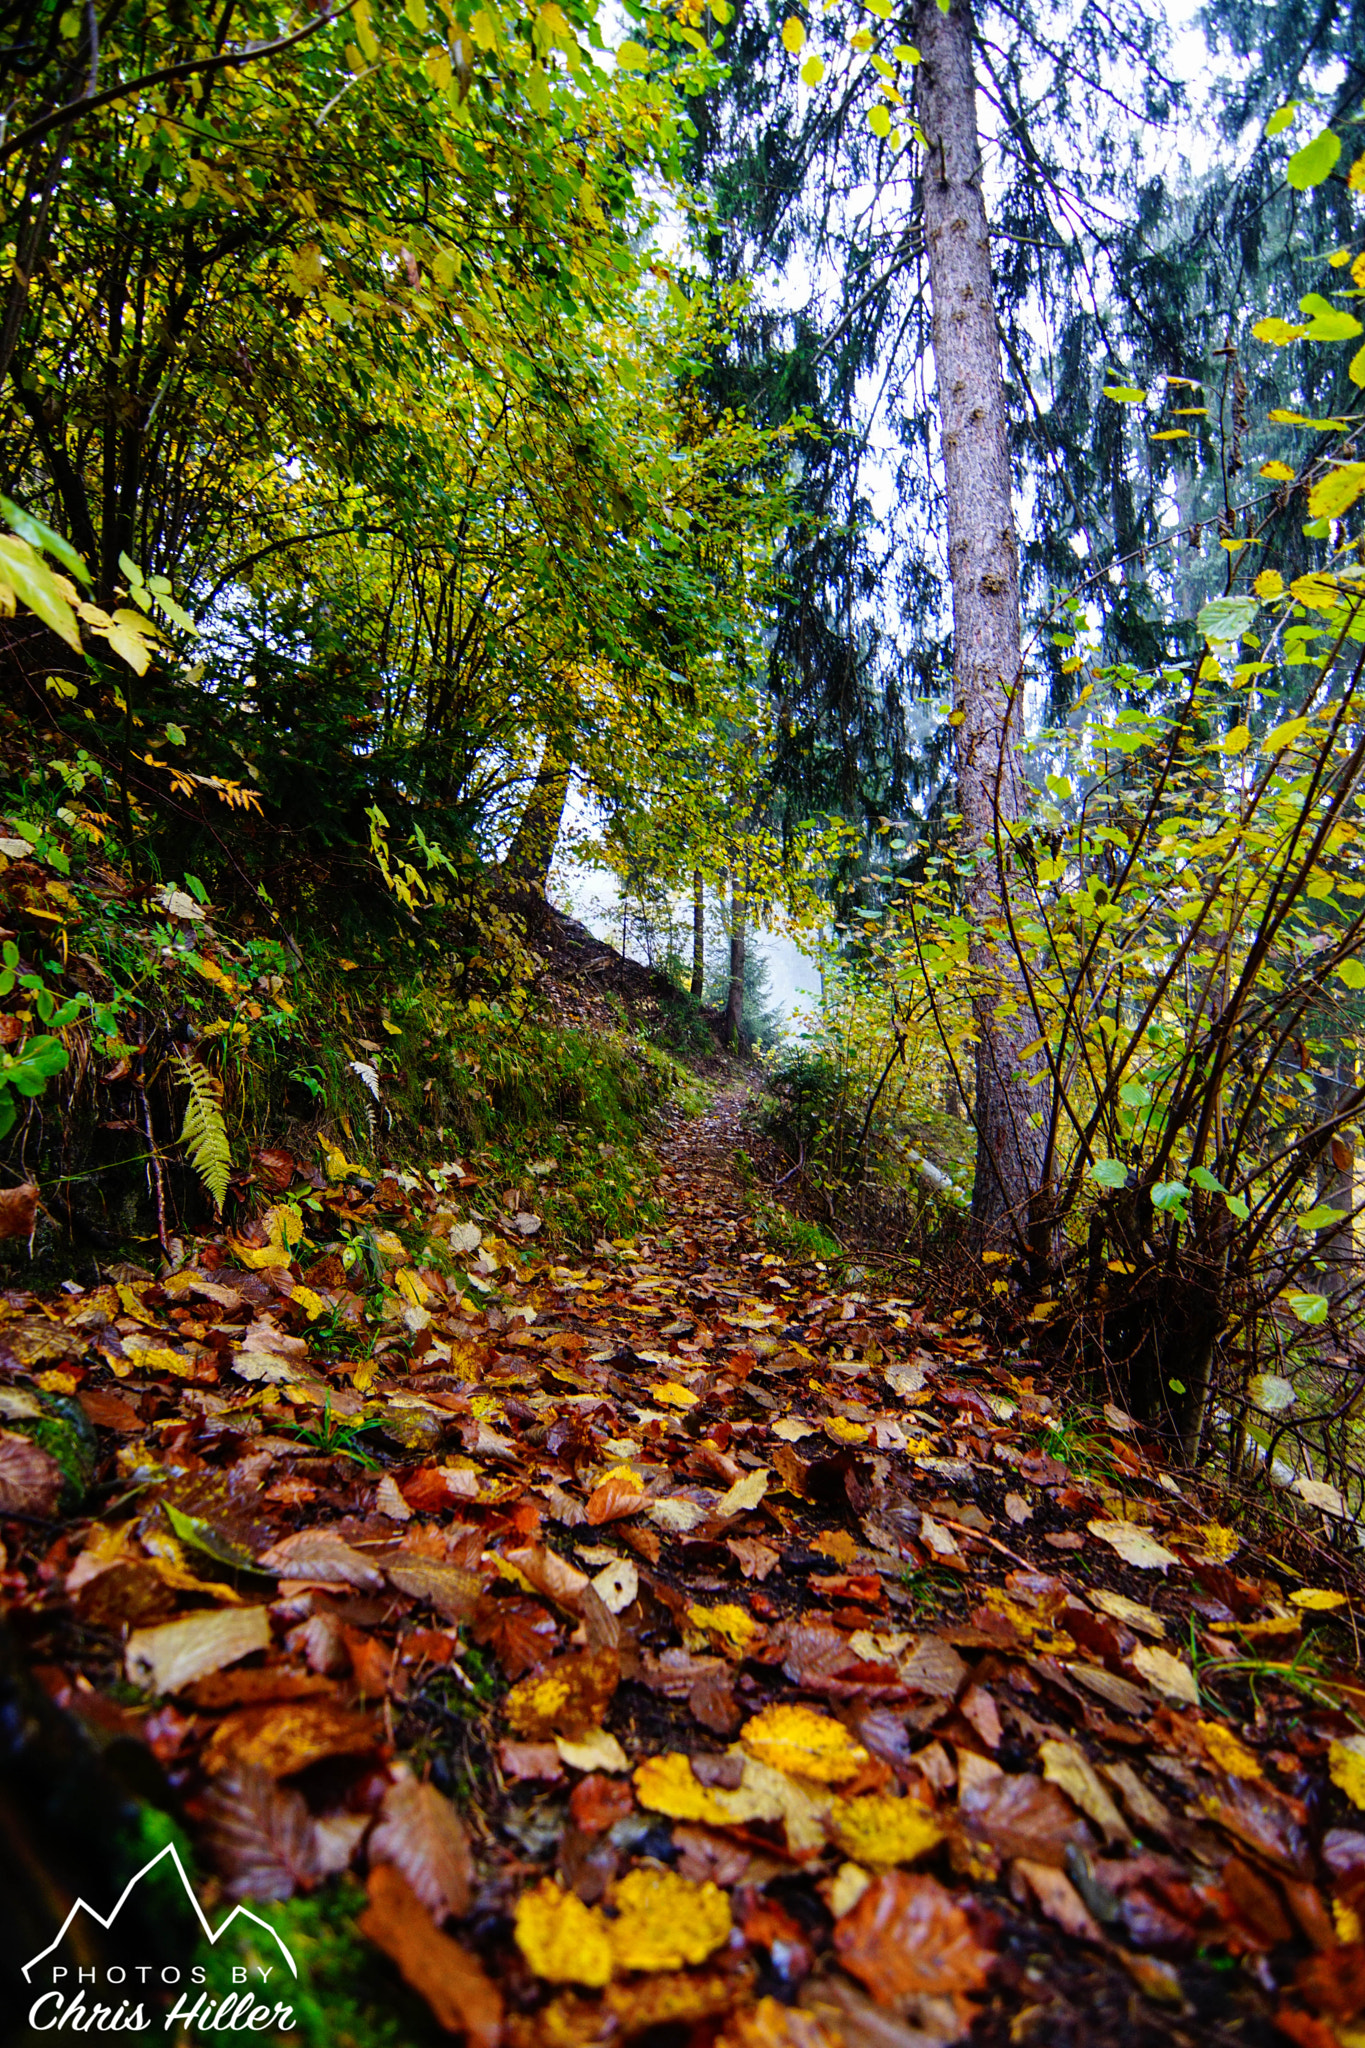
907 1935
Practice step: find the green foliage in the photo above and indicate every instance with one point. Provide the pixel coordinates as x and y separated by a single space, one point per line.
203 1132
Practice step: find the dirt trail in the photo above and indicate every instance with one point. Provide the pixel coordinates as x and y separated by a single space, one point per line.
670 1637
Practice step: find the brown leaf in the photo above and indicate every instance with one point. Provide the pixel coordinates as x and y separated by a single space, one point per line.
908 1936
110 1411
1022 1816
568 1697
598 1802
318 1557
31 1480
453 1982
755 1559
18 1210
530 1763
1334 1983
285 1739
614 1499
520 1632
712 1701
1056 1896
275 1169
422 1835
1256 1814
260 1837
452 1591
166 1658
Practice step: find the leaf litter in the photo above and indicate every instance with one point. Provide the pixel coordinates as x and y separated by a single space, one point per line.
677 1638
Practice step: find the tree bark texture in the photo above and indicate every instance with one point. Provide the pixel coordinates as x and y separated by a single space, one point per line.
733 1027
698 935
527 865
1008 1200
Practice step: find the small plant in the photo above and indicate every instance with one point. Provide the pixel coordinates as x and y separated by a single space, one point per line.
204 1132
333 1439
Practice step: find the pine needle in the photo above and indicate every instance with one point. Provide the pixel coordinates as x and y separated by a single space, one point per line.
204 1133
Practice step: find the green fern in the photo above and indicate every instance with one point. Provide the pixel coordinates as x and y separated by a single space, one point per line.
204 1133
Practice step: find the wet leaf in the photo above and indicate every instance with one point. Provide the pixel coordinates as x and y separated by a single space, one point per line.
909 1936
261 1837
285 1739
453 1982
563 1940
797 1738
1169 1674
1135 1545
31 1480
664 1922
422 1835
570 1696
880 1832
168 1658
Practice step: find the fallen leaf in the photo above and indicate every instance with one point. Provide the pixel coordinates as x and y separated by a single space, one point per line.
597 1803
1066 1766
1058 1899
755 1559
664 1922
1017 1509
422 1835
620 1494
1227 1752
798 1738
744 1495
617 1585
563 1940
1170 1675
598 1750
1143 1620
734 1625
909 1936
1317 1599
1019 1815
1346 1763
19 1210
170 1657
453 1592
31 1480
568 1697
261 1837
880 1832
1134 1545
314 1556
285 1739
453 1982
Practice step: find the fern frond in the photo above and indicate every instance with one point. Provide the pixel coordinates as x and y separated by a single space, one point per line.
204 1133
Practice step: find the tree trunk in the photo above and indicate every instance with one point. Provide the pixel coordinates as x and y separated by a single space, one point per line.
1335 1242
1008 1199
527 865
698 935
734 1000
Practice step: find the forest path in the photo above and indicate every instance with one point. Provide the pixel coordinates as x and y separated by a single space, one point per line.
672 1635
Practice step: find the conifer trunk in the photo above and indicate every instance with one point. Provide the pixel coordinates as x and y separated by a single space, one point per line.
698 936
1008 1201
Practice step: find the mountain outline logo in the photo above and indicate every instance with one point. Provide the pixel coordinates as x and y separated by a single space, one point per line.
106 1922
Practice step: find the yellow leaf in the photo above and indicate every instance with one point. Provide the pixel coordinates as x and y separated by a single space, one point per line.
1220 1543
793 34
734 1625
1336 492
668 1785
1280 471
1269 583
664 1922
1169 1674
563 1940
1317 1599
845 1432
1346 1762
672 1395
797 1738
311 1304
1227 1752
879 1831
1237 741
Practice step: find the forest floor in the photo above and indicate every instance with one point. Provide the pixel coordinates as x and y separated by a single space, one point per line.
672 1642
